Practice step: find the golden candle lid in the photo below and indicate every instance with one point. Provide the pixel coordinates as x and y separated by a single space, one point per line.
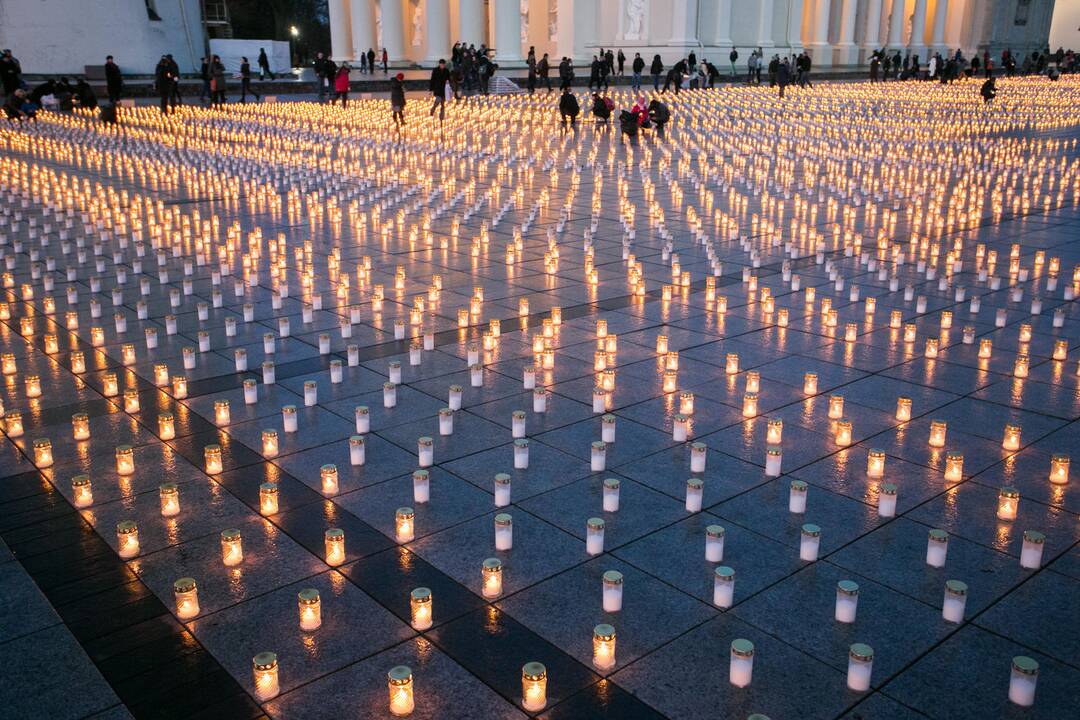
724 573
608 419
599 445
613 577
502 478
887 489
533 671
503 519
268 487
126 527
1034 536
356 439
956 587
425 441
521 443
308 596
799 485
404 513
861 651
361 410
595 523
334 534
714 531
328 468
518 414
811 530
1009 492
939 535
264 661
698 446
230 535
1025 665
611 483
492 564
167 488
742 647
603 631
847 587
184 584
80 480
421 595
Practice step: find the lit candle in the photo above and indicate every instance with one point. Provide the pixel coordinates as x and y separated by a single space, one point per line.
773 459
82 491
686 399
1011 441
310 608
797 497
80 426
268 498
169 496
127 539
986 348
937 548
723 586
33 386
613 591
78 362
1032 550
504 532
265 670
221 413
887 500
533 686
166 426
1022 681
1061 349
604 647
43 456
954 466
404 521
875 464
125 460
329 475
952 608
931 351
1008 501
860 666
843 432
695 488
13 424
714 543
809 542
810 383
187 598
232 549
270 443
847 601
775 432
750 405
420 608
7 363
731 364
594 536
1020 367
741 668
1059 469
131 401
334 542
179 385
937 433
491 576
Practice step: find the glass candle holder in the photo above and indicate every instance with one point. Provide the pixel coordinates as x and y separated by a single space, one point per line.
186 594
179 387
937 433
1022 681
611 495
222 416
604 647
289 420
169 497
695 489
125 460
232 548
954 466
7 364
43 455
698 456
502 489
166 426
1031 551
264 668
607 428
594 536
775 432
82 491
420 608
875 464
723 586
773 459
251 391
847 601
931 350
1020 367
328 476
937 547
357 452
269 443
131 401
334 542
1059 469
540 396
446 421
504 532
714 543
268 498
903 408
13 424
598 456
426 452
986 348
741 668
1008 503
686 402
517 424
750 405
311 393
843 435
127 539
80 426
887 500
389 395
404 524
952 608
1011 439
33 386
810 383
1061 349
860 666
731 364
836 407
78 362
599 400
910 333
310 609
797 497
809 542
670 381
613 591
491 578
421 482
362 416
533 686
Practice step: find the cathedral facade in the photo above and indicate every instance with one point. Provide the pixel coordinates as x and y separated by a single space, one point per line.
835 32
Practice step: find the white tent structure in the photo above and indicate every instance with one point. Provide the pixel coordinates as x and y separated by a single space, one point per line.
232 50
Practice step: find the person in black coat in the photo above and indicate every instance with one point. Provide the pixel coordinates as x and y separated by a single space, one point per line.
440 75
566 74
542 69
264 65
371 60
656 69
783 76
531 83
397 99
84 95
204 75
175 98
114 81
600 109
594 73
568 108
659 115
988 90
245 81
637 67
163 81
621 59
10 72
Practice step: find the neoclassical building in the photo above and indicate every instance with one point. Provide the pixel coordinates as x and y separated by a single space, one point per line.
836 32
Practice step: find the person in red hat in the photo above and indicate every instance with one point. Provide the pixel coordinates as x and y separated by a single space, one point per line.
397 99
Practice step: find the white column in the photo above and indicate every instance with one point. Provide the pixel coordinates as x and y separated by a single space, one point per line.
765 17
723 23
471 22
437 29
362 21
794 33
896 24
684 22
341 48
917 41
937 38
872 35
507 30
393 30
819 33
847 52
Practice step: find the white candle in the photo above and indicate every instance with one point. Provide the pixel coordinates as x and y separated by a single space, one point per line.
363 420
504 532
540 400
421 483
446 421
425 451
698 453
476 375
598 456
613 591
529 381
265 671
773 459
723 586
310 609
394 372
937 547
611 495
251 392
521 454
517 424
502 489
887 500
1032 550
289 419
454 397
860 666
847 601
809 542
952 609
1022 681
607 428
797 497
741 668
695 488
594 536
389 395
311 393
356 450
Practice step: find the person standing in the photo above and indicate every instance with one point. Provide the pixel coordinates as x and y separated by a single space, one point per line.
566 74
114 81
774 68
691 62
621 59
657 68
594 73
245 81
531 63
217 81
163 83
397 100
439 77
733 57
385 61
874 63
363 63
319 66
264 65
543 68
783 76
205 92
175 98
637 66
341 85
10 72
371 60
